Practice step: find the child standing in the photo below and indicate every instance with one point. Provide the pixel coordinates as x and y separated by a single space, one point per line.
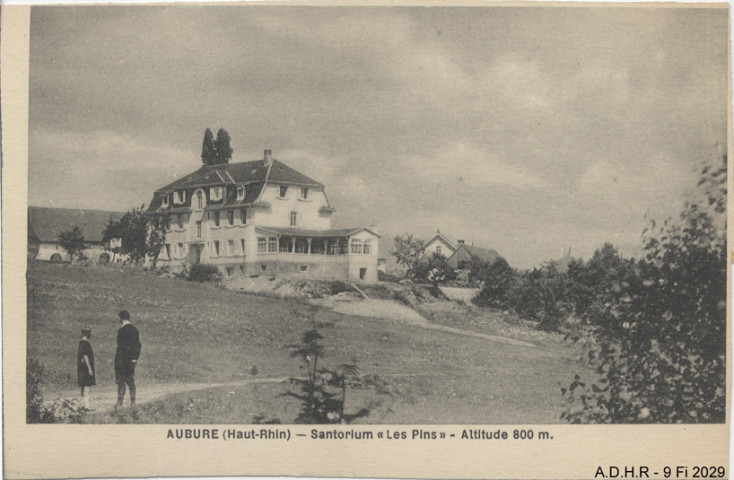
85 366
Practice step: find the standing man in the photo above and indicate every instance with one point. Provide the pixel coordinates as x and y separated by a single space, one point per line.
128 351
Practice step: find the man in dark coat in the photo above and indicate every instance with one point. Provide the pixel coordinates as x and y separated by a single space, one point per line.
126 357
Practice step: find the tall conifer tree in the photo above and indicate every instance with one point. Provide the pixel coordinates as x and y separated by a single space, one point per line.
208 149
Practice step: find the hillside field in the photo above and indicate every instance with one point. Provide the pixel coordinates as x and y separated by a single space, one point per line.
232 347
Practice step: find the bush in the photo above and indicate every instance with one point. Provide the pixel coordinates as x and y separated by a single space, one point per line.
337 286
660 344
499 279
204 273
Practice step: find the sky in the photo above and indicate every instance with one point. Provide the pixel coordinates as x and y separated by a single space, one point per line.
528 130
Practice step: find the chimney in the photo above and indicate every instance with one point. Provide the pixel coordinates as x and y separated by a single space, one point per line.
461 242
268 158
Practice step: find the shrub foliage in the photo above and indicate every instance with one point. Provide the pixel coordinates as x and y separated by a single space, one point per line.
660 341
201 272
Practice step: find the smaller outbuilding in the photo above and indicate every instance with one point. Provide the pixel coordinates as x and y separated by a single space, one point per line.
468 253
46 223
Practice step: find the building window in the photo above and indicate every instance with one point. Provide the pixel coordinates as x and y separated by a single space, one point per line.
438 250
283 190
304 193
263 267
216 247
294 218
243 216
230 271
216 218
303 268
356 245
241 193
179 197
230 217
262 244
199 200
242 245
317 246
179 220
168 250
272 244
231 247
198 229
215 194
181 250
164 199
367 248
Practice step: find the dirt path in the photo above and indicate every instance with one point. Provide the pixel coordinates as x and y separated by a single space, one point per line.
105 397
392 310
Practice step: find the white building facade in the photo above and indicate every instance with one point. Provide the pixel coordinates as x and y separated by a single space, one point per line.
261 218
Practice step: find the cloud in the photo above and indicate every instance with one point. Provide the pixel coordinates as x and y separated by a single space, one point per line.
468 165
99 169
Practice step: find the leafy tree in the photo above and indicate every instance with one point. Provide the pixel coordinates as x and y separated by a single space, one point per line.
208 149
73 242
407 250
498 279
112 231
435 269
223 150
156 240
592 285
660 349
143 234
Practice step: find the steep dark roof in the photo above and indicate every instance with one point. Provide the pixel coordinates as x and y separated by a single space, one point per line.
238 173
486 254
282 173
254 175
45 224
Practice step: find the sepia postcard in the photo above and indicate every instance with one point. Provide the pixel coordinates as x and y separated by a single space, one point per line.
366 239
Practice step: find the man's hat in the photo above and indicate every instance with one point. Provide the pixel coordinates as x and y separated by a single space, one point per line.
86 330
125 315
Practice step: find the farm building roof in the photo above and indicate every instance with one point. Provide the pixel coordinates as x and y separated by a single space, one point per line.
46 223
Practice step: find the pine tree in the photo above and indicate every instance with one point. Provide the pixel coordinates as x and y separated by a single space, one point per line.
208 149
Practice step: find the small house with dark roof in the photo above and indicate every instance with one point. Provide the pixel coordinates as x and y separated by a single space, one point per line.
261 218
440 245
468 253
45 224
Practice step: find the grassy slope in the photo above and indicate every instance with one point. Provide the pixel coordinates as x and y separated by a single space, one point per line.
200 333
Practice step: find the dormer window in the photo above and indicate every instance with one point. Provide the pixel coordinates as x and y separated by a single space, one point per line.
215 194
179 197
283 190
199 199
241 191
164 200
304 193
